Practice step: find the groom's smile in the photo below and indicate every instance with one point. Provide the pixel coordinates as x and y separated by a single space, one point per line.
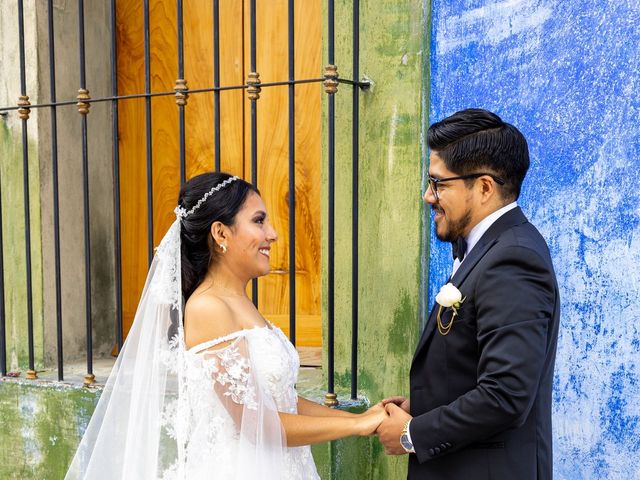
451 204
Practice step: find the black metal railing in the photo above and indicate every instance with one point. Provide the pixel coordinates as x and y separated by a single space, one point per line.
117 240
24 116
253 86
254 95
56 194
292 169
83 94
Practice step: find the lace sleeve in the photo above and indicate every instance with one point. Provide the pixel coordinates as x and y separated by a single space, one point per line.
234 420
230 369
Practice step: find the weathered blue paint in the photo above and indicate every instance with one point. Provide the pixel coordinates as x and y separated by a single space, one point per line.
567 73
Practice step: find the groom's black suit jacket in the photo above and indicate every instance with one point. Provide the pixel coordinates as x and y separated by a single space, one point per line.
481 395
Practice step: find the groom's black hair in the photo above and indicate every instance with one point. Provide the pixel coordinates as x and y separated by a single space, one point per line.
476 140
198 249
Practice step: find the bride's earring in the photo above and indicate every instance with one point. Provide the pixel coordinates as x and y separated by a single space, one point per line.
223 247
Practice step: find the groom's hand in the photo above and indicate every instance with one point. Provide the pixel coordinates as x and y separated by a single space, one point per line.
391 428
402 402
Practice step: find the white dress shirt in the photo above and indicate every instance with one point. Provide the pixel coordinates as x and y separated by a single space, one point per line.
476 232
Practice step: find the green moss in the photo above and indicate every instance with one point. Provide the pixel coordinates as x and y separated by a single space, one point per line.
402 331
40 428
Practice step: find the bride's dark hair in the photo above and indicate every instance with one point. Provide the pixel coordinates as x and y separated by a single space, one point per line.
198 249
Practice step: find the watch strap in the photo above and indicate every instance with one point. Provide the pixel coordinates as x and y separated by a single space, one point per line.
406 433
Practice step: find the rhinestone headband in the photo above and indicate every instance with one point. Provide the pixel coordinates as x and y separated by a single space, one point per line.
184 213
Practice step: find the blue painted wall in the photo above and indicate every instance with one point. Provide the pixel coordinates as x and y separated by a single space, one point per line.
567 73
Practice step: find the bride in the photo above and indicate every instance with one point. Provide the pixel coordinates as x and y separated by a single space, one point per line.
204 386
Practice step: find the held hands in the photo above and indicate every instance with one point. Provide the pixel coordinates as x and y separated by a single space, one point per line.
402 402
370 420
391 428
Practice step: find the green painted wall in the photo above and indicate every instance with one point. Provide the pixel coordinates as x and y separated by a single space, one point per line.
14 251
40 428
392 55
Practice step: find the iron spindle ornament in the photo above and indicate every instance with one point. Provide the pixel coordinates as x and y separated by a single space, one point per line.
253 86
331 79
182 92
83 101
24 110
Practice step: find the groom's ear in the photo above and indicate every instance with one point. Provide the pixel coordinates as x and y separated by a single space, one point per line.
488 188
220 232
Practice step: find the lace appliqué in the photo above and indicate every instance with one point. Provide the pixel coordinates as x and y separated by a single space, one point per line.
167 285
232 370
206 434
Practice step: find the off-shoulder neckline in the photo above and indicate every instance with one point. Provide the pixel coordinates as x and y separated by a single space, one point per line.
231 336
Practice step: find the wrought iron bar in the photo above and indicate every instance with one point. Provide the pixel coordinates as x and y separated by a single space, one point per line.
83 108
147 89
330 397
354 202
181 97
254 94
9 108
56 196
216 82
24 115
292 176
363 84
117 240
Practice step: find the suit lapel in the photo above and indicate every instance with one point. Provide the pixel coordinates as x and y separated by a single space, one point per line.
487 241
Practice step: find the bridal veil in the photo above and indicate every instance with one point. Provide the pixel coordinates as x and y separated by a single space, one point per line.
168 413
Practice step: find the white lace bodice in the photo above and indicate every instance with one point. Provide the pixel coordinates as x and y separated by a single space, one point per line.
209 421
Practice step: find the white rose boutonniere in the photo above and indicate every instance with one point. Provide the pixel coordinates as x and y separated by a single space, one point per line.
448 297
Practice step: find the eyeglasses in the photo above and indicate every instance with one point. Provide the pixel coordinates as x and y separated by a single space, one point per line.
433 182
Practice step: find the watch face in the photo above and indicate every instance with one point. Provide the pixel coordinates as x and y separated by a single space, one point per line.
404 441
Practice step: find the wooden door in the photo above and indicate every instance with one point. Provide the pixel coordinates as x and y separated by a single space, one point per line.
272 137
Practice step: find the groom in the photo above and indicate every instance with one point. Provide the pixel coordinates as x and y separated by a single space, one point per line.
482 374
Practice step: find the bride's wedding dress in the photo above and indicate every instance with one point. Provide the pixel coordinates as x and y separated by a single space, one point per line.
226 403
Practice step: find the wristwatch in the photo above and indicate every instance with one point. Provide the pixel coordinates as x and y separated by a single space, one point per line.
405 439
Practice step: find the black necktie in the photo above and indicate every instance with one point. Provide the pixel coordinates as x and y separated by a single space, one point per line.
459 248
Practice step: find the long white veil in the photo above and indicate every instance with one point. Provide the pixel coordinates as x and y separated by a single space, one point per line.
167 413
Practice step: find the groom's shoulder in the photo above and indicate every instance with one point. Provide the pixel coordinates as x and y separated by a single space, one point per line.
523 241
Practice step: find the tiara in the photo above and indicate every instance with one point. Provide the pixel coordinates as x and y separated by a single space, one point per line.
184 213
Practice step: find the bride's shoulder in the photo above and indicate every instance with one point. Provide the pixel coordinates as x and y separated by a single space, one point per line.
207 317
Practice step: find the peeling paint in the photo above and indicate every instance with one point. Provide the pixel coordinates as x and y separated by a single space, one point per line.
567 74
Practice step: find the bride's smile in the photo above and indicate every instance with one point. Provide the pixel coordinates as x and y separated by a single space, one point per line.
248 240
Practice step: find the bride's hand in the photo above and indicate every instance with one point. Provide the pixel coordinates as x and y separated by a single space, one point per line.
369 421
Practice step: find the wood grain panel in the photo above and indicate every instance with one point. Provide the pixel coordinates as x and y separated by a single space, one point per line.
232 111
198 68
308 64
132 154
165 127
273 138
235 135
